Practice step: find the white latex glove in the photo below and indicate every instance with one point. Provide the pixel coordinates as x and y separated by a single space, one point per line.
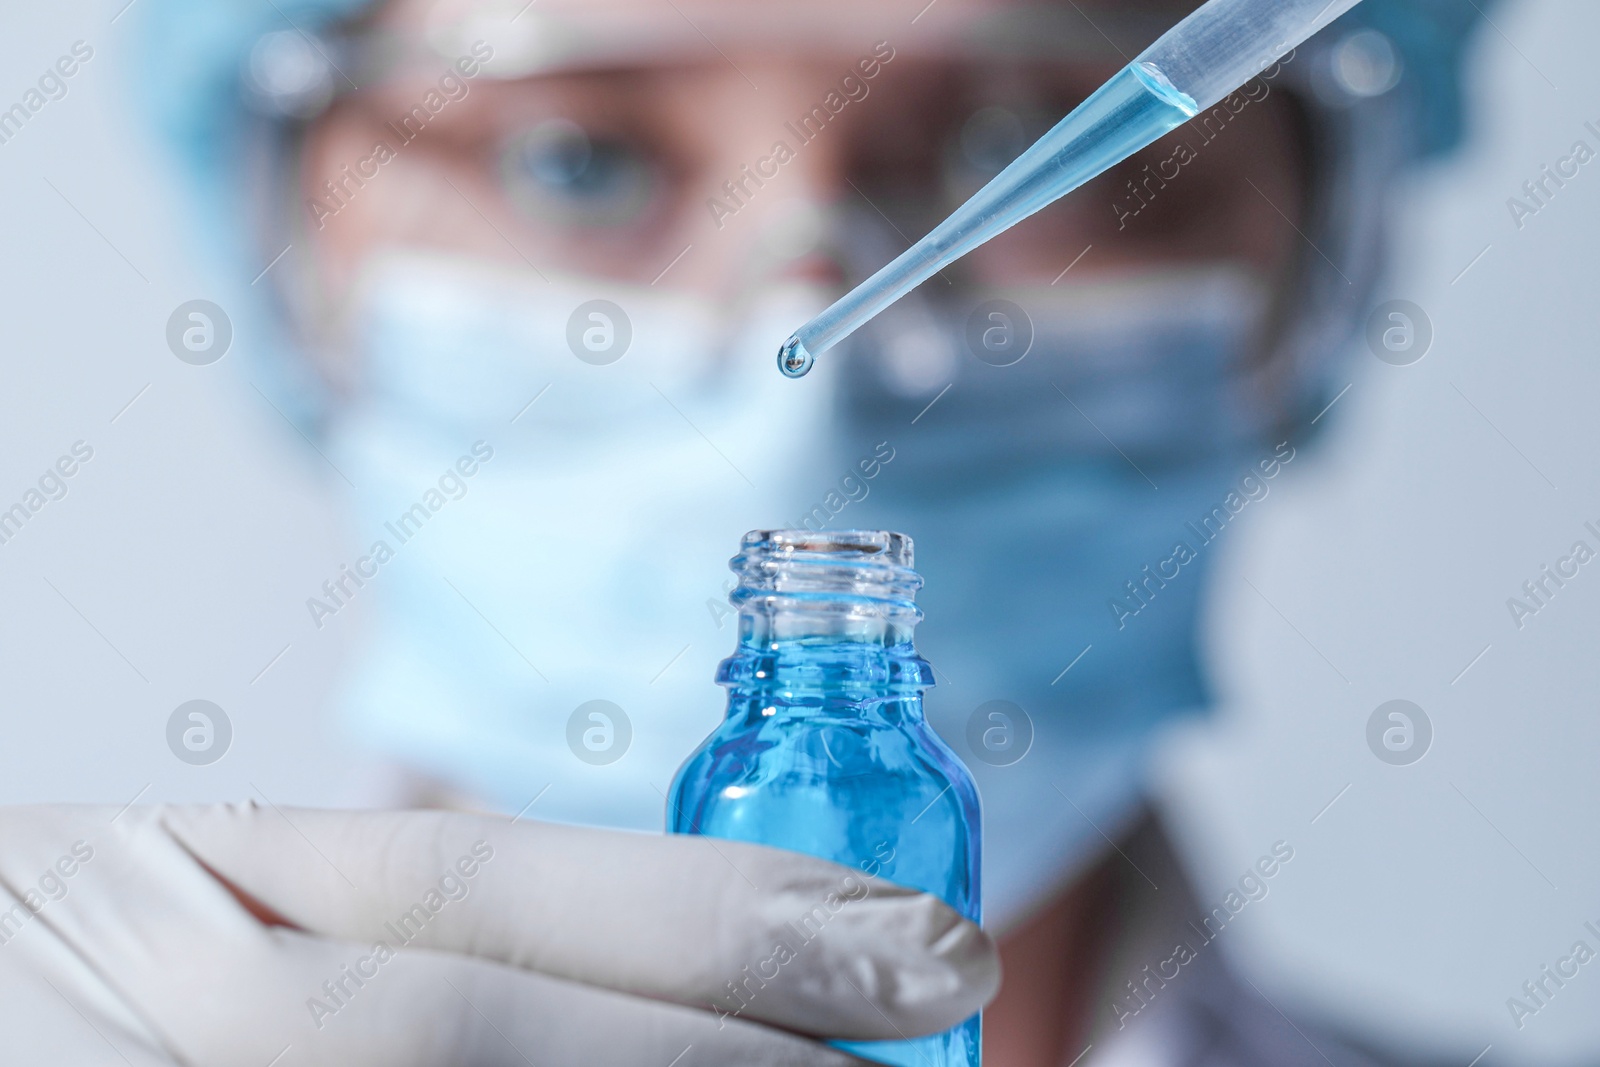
240 936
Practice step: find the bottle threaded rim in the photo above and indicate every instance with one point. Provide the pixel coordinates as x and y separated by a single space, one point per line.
858 572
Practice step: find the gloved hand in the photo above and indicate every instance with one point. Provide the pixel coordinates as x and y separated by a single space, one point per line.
242 936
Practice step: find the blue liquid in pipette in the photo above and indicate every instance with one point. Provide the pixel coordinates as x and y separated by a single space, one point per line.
1134 109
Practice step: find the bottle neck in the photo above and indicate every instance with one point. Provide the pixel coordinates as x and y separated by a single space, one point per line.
825 620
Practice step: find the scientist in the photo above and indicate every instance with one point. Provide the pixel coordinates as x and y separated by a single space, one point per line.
563 239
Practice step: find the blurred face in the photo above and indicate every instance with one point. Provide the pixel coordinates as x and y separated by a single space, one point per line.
710 149
707 151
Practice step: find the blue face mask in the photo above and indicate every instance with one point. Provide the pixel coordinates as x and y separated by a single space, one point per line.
540 583
557 526
1036 492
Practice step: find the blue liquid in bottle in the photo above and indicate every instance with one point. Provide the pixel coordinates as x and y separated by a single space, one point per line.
825 749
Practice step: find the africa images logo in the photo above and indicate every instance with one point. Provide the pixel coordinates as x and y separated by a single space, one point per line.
852 88
453 85
1140 593
339 590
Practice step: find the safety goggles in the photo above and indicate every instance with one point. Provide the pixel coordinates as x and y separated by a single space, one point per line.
604 141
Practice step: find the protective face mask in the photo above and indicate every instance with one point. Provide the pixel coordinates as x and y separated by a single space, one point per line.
1035 491
577 515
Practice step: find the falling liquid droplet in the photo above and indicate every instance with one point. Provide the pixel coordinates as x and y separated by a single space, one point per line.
793 359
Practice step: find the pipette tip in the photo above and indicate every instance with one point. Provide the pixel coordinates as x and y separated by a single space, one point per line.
794 360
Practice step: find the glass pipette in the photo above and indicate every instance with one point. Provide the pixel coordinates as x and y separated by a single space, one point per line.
1191 68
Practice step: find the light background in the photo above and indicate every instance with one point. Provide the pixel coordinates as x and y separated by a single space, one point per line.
1379 568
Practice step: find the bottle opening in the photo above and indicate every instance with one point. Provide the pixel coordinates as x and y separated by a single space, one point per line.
883 544
862 574
826 612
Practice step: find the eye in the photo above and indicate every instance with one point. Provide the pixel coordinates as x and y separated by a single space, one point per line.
558 172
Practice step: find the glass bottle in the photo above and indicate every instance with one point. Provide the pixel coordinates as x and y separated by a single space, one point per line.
825 749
